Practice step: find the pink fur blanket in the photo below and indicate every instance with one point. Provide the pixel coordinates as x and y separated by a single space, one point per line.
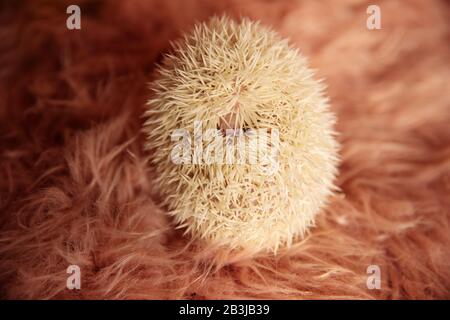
76 188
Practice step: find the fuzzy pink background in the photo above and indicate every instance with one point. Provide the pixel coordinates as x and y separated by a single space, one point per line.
75 187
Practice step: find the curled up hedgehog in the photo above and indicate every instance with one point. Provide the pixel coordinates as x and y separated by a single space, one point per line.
240 136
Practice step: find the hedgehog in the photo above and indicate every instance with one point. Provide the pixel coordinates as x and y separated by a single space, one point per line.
240 136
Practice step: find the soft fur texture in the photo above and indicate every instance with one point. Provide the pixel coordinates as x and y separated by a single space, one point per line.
76 187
